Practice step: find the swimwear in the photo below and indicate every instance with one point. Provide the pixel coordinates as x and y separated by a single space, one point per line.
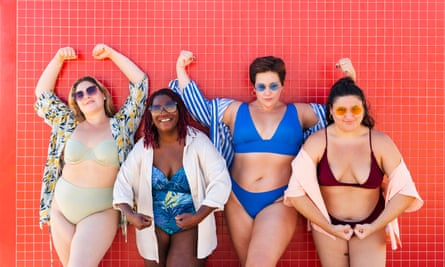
77 203
327 178
254 202
171 197
105 152
380 206
286 140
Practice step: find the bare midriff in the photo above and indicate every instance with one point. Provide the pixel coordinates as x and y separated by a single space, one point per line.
349 203
261 172
89 173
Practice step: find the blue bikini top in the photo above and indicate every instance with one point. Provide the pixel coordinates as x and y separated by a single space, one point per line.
286 140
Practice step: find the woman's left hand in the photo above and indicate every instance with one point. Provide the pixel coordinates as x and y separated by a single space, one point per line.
346 67
363 230
102 51
187 220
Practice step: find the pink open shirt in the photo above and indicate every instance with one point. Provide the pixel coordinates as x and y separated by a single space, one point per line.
304 181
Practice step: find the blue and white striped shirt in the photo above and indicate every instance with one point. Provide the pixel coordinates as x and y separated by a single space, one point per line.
210 114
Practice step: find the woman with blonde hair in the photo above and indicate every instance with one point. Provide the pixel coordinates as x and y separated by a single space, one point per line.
89 141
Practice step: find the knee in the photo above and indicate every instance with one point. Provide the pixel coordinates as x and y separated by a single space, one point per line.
260 260
182 261
82 262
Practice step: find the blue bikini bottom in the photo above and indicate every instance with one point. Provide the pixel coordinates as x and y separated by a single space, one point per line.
254 202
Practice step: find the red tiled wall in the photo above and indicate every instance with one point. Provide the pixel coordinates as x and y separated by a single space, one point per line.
397 48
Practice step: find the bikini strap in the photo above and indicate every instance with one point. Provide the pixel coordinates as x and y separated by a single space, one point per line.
370 142
326 140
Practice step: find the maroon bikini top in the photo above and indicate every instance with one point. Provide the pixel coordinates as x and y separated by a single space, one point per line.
327 178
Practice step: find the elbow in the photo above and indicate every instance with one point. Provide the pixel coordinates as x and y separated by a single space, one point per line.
38 92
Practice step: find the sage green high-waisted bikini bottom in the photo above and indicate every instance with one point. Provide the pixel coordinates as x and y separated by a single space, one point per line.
77 203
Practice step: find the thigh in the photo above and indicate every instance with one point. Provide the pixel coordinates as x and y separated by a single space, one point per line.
370 251
183 249
94 235
331 252
273 229
163 248
239 224
62 232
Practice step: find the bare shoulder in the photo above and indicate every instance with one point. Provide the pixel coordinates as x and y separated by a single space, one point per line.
303 107
385 150
315 145
230 113
306 114
381 141
233 107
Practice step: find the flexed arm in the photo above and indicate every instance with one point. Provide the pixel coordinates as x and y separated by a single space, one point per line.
402 194
139 220
307 208
128 67
188 220
202 109
346 67
209 113
313 117
197 104
48 79
184 59
303 192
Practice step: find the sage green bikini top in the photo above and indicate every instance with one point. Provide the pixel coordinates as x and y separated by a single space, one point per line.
105 152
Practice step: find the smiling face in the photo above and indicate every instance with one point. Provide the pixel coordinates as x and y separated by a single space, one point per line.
164 113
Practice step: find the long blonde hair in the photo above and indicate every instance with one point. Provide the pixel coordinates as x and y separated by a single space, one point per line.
108 103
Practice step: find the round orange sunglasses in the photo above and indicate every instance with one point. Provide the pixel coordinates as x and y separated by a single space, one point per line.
355 110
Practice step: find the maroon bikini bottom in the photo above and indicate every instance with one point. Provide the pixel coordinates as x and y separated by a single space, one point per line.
375 213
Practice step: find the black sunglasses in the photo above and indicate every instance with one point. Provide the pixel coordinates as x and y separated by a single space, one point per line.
169 108
90 91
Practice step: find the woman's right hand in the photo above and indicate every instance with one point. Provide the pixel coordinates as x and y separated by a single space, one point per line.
140 221
342 231
66 53
184 59
47 80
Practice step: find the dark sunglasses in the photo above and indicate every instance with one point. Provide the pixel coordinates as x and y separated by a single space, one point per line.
260 87
157 109
90 91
